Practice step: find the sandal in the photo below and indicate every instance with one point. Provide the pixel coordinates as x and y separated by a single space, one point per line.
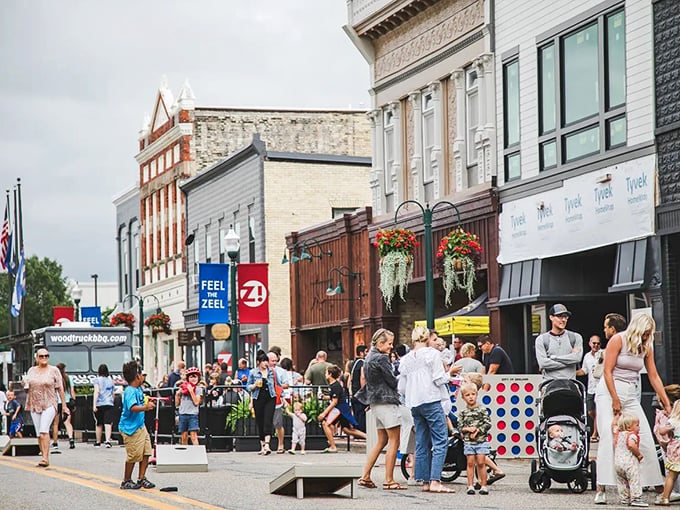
328 450
367 483
280 450
394 486
594 439
43 463
494 478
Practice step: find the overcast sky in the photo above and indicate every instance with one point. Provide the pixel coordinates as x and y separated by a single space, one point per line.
77 78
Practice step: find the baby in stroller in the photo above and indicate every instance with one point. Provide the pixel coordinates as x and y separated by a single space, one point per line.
558 441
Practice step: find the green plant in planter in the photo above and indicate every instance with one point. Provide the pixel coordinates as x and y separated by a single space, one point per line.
313 407
240 411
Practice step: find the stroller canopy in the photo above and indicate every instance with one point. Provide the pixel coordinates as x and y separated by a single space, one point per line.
563 396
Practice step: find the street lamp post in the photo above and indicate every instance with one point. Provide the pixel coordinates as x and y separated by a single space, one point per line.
140 327
232 243
95 276
427 241
77 295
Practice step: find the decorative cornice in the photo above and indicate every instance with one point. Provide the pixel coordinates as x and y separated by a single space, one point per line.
172 135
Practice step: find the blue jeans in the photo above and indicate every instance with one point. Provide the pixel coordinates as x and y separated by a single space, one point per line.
431 440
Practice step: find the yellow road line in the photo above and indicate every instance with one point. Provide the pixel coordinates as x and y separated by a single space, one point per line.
83 477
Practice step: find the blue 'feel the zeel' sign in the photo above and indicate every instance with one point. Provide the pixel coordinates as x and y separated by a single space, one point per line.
213 299
91 314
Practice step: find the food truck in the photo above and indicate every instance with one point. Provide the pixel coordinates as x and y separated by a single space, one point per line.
83 349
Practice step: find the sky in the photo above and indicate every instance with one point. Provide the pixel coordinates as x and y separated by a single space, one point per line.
77 78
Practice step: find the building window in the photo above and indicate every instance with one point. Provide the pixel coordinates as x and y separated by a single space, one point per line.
339 212
222 248
582 89
471 114
389 151
197 259
251 235
208 248
511 120
428 136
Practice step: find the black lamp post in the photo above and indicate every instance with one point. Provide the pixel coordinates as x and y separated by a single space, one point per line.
140 327
427 241
232 243
95 276
77 295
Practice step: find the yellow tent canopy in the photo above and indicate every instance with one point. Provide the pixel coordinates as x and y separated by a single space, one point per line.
472 319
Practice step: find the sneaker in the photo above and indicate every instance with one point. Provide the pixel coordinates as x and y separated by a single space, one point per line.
484 491
674 497
661 501
97 445
108 444
477 486
471 491
144 483
129 484
638 503
71 444
55 446
302 452
600 498
292 452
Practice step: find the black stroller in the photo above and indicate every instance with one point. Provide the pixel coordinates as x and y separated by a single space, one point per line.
562 402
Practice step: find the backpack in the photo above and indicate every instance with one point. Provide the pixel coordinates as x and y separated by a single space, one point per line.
570 334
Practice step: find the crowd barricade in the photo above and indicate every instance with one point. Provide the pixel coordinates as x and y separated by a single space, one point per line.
216 433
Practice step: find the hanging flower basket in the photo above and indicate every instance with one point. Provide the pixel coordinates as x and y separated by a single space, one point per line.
396 247
123 319
458 255
158 323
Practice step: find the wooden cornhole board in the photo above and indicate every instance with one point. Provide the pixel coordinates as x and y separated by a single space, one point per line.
316 479
19 446
176 458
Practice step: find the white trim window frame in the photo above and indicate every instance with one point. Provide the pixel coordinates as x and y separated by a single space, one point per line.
389 137
428 124
471 114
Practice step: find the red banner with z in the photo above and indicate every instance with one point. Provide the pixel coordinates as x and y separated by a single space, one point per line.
253 293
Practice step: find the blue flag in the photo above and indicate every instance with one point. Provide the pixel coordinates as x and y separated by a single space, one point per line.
19 286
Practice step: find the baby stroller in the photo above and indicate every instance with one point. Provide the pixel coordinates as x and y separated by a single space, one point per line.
562 402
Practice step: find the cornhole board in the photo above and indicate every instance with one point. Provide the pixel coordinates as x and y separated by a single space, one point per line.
19 446
176 458
316 479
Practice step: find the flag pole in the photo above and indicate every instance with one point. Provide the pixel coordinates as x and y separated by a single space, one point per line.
10 283
20 242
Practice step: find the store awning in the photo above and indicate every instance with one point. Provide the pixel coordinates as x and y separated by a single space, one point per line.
520 282
472 319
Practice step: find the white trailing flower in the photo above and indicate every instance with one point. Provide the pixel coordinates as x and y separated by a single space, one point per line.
458 274
396 270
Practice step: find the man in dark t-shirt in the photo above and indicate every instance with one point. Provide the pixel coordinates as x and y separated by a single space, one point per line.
358 409
496 360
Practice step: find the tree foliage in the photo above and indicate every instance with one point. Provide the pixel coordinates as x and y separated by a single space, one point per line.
45 288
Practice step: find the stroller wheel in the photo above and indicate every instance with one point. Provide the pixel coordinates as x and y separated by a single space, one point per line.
450 472
539 481
578 484
404 467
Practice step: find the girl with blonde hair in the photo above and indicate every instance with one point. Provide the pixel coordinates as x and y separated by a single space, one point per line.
618 392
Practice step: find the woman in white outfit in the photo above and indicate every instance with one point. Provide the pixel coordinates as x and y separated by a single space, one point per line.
618 392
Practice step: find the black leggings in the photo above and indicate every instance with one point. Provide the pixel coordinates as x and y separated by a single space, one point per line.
264 412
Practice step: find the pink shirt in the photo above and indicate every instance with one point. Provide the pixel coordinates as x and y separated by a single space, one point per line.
43 385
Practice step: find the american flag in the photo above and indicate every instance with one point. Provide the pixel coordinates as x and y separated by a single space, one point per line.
6 242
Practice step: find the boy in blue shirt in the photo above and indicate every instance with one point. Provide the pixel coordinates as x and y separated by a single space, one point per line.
15 415
132 429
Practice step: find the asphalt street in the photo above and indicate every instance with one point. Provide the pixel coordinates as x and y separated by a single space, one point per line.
88 478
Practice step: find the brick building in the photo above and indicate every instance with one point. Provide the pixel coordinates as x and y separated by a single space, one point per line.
179 140
433 131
